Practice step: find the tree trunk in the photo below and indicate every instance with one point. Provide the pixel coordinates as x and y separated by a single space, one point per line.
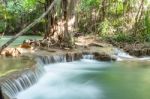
66 34
28 27
138 17
103 9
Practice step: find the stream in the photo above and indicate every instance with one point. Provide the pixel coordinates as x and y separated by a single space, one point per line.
126 78
91 79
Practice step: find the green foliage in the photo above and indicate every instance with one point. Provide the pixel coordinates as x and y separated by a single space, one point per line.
123 37
2 26
103 28
89 4
146 33
94 17
17 13
116 19
21 6
28 5
116 8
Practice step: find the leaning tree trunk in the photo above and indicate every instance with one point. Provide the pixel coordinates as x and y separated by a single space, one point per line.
28 27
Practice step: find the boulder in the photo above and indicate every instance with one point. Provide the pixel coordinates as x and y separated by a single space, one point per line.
103 57
13 52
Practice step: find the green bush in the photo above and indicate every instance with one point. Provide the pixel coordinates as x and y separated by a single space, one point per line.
146 33
123 37
104 28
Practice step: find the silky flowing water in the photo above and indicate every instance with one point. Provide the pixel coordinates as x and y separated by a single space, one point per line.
127 78
90 79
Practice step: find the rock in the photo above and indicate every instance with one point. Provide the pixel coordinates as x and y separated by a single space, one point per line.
96 44
13 52
26 46
1 95
73 56
77 56
103 57
5 96
139 52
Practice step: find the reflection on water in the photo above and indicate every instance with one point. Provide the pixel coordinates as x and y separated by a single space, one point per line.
8 65
89 79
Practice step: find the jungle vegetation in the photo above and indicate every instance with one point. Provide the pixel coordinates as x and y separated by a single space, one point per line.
117 20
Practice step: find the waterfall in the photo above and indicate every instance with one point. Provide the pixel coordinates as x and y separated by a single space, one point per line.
121 55
11 86
87 55
68 57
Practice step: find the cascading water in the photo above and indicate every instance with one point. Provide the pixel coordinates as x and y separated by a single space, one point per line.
11 87
121 55
69 57
88 56
91 79
21 81
58 82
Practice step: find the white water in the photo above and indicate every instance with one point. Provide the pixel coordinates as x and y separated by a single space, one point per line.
57 83
56 78
121 55
12 86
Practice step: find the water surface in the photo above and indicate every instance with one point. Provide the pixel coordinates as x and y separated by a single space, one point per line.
9 64
18 41
90 79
